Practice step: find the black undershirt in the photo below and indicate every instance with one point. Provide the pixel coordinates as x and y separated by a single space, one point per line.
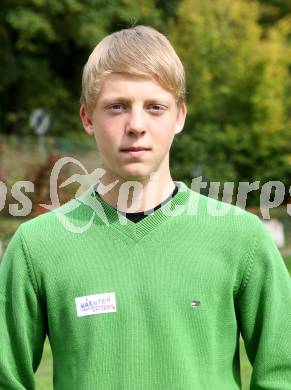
136 217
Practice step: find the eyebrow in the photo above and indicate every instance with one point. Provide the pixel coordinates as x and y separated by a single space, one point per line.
123 99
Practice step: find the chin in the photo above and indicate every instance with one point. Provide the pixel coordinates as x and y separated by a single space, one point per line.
135 176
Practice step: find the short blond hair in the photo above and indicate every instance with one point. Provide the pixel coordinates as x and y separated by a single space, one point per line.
139 50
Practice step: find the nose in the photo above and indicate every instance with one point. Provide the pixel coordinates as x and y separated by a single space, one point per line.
136 122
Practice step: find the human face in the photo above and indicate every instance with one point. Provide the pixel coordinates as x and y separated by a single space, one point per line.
130 112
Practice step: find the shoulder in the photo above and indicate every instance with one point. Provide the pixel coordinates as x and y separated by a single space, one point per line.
221 215
224 226
66 219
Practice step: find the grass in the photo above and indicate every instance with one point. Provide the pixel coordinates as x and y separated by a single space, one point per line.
44 374
288 263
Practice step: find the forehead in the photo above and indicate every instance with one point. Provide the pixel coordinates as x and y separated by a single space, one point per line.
116 85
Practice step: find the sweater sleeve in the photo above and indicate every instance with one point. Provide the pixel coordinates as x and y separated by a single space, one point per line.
22 319
264 310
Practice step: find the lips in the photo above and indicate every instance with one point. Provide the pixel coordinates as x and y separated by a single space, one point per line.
136 152
135 149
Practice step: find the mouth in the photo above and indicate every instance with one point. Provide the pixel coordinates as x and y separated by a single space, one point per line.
138 151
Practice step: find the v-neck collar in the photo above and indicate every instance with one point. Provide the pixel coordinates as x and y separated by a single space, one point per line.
135 230
137 216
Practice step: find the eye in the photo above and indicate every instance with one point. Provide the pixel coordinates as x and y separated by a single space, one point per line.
157 108
116 107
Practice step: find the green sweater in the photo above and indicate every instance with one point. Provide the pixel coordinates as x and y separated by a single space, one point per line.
158 304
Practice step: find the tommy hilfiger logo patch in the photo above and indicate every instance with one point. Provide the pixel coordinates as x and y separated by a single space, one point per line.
96 304
195 304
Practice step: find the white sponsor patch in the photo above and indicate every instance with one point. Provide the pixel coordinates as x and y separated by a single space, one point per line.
96 304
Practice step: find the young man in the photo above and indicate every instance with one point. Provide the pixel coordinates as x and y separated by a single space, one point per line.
156 290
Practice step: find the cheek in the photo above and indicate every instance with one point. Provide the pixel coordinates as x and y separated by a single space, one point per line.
164 133
108 144
104 142
106 134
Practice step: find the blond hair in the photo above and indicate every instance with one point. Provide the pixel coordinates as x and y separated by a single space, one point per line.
139 50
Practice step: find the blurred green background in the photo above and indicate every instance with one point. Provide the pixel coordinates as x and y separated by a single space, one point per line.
237 57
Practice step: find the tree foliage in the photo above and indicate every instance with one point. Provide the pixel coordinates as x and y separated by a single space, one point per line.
238 81
45 43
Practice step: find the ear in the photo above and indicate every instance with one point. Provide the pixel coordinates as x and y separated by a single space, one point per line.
86 121
181 117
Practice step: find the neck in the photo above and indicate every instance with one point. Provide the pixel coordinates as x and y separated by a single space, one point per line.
135 196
